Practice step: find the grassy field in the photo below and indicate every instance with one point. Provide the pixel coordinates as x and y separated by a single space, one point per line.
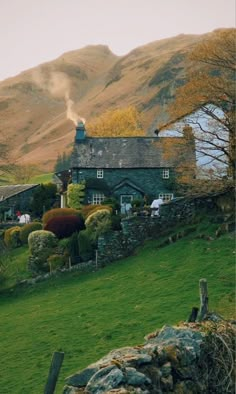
86 315
42 178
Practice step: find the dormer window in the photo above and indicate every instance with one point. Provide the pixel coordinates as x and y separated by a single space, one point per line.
165 173
99 174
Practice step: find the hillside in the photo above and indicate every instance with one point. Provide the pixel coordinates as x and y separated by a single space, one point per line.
36 104
85 315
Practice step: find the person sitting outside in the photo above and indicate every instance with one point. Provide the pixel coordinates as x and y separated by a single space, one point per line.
155 206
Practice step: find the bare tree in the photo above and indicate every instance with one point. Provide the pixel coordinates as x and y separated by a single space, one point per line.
207 101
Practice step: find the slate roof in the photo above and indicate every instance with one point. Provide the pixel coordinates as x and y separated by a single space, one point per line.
130 152
8 191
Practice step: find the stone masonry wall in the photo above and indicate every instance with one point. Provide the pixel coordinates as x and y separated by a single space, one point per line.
136 229
119 244
181 360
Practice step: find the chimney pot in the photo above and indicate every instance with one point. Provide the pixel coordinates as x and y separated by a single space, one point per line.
80 132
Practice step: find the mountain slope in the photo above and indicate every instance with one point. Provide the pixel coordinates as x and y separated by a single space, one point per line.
36 104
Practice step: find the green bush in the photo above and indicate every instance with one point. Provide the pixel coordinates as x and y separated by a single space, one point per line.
73 248
87 245
75 195
59 212
63 246
40 239
12 237
87 210
99 222
55 261
27 229
41 245
44 197
3 261
113 203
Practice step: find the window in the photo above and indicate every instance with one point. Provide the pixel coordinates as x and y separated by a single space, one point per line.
166 196
165 173
99 174
98 198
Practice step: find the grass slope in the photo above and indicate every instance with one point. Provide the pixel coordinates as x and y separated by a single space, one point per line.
42 178
86 315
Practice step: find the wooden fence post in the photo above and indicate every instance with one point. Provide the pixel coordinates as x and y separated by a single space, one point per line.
203 299
193 316
56 363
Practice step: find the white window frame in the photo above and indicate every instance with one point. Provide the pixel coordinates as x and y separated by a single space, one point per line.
165 173
166 196
98 198
100 174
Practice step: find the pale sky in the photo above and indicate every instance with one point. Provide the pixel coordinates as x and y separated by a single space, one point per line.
35 31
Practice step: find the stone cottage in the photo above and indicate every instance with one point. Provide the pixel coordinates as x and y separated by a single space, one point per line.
129 168
15 198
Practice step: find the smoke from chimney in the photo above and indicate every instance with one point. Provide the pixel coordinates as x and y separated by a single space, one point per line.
70 113
59 86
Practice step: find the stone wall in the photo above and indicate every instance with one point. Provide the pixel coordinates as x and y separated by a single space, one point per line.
172 360
136 229
118 244
220 206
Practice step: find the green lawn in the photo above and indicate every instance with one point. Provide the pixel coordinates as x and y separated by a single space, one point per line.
43 178
86 315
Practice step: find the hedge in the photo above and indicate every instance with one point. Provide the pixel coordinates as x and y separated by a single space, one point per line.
59 212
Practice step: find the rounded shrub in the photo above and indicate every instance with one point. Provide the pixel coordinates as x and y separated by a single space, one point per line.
65 226
40 239
12 237
27 229
87 210
41 245
59 212
87 245
99 222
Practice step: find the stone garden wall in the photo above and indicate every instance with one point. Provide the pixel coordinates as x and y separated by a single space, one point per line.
136 229
119 244
181 360
221 206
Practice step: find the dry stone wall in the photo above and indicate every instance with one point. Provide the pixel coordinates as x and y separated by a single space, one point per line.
118 244
168 362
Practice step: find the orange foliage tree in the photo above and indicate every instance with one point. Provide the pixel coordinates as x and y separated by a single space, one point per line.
121 122
180 151
207 100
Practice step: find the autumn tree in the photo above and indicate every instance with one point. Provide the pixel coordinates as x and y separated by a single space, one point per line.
121 122
207 100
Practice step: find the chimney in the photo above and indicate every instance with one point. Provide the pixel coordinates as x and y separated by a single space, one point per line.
80 132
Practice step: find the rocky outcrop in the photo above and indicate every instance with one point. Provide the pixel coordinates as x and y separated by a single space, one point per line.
169 361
